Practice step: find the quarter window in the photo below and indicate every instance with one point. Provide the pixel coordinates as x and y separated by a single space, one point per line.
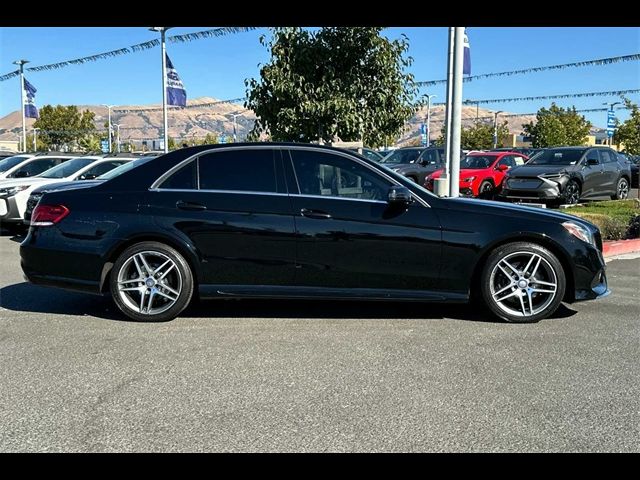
186 178
329 175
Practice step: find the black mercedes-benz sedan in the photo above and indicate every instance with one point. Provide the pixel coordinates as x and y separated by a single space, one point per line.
268 220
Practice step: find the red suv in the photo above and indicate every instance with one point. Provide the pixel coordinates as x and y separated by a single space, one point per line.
481 173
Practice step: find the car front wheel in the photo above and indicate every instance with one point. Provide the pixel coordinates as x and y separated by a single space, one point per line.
522 282
151 282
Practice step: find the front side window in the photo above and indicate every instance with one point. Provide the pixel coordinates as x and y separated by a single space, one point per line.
429 157
99 169
330 175
592 155
67 168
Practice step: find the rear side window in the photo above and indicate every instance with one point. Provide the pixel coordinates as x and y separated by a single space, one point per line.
608 156
186 178
35 168
249 170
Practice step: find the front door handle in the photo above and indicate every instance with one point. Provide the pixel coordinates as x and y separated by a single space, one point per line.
189 205
305 212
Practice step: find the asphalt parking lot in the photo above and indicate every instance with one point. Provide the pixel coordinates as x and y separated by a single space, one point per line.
315 376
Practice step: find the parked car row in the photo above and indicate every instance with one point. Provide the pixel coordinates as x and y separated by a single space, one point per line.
544 175
22 174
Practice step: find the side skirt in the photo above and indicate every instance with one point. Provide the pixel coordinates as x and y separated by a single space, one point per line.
275 291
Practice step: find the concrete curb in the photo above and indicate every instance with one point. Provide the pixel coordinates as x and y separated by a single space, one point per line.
620 247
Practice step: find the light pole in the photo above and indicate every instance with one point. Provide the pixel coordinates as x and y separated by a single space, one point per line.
21 63
495 128
235 137
428 120
35 143
456 112
610 130
109 109
117 125
163 49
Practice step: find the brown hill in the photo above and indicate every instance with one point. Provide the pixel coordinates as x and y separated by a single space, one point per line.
144 122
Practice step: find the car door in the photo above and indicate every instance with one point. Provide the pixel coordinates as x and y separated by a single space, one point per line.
348 234
592 174
233 207
610 172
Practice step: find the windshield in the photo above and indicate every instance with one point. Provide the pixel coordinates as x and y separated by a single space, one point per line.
67 168
402 156
477 161
557 157
11 162
123 168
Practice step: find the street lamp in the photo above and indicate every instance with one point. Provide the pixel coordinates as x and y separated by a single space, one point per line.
109 109
610 115
21 63
235 136
495 128
163 49
428 120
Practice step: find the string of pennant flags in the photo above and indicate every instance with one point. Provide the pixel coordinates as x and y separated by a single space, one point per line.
586 63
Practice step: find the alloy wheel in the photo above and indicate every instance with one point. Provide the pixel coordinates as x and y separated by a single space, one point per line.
523 284
572 193
623 189
149 283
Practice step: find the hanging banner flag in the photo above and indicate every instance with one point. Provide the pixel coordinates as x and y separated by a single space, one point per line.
466 68
30 109
176 94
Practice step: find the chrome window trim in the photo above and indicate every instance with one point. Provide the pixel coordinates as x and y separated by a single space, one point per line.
236 192
175 168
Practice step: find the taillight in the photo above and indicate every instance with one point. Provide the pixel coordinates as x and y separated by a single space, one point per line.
47 215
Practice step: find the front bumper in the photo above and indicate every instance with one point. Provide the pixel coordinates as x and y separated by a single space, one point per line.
589 277
9 211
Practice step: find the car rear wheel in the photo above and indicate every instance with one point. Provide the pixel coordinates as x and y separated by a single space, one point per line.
151 282
622 190
522 282
572 192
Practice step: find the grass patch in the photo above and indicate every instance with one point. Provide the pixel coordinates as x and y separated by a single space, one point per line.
616 219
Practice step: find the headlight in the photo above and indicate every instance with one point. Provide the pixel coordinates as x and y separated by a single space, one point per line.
469 179
11 191
579 231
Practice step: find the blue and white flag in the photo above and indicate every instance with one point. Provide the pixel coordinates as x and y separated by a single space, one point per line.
176 94
466 67
30 109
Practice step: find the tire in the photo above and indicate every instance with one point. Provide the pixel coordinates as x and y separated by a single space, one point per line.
512 301
486 189
163 295
622 189
572 192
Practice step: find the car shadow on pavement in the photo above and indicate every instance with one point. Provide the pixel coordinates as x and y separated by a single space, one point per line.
25 297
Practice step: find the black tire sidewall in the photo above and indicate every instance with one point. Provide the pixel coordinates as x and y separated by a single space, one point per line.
187 282
501 252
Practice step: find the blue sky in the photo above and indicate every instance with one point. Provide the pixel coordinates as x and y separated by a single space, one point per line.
217 67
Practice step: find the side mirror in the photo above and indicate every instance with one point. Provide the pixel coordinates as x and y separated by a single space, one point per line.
87 176
400 196
502 168
592 161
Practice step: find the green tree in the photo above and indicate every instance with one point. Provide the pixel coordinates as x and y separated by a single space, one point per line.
172 143
90 143
348 82
628 133
210 138
556 127
62 126
478 136
40 144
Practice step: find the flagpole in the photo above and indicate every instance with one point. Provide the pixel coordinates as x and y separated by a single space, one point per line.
21 63
447 147
163 49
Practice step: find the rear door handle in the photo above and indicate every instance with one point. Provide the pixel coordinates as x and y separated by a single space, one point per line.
189 205
305 212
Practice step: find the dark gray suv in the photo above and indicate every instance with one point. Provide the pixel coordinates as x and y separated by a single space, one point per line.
416 163
568 174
